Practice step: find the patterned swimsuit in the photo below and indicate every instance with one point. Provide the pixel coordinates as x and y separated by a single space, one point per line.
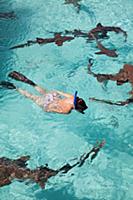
49 98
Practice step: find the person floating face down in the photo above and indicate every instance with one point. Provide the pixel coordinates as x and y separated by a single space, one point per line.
53 101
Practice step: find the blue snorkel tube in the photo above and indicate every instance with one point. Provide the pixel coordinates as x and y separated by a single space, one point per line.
79 104
75 99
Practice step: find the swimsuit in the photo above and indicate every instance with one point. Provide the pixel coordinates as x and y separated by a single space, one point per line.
48 98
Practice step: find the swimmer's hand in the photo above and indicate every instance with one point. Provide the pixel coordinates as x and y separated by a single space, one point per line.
119 103
103 101
92 99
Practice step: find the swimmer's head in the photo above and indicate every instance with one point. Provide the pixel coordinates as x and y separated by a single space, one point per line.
79 104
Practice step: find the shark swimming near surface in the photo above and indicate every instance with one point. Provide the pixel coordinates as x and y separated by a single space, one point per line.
104 50
57 39
124 75
103 30
16 169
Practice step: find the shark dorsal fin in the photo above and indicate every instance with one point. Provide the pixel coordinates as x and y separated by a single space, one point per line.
99 25
21 162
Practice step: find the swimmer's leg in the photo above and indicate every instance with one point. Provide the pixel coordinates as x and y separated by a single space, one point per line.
27 94
38 100
20 77
40 90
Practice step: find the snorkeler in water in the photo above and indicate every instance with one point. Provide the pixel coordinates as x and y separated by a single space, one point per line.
53 101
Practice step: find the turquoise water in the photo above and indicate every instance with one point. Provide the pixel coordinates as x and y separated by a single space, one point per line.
53 138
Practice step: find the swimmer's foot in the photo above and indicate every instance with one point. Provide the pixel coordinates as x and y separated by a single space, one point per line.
7 85
20 77
93 99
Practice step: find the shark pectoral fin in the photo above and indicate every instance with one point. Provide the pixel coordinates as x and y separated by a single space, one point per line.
99 52
59 43
5 181
41 184
39 38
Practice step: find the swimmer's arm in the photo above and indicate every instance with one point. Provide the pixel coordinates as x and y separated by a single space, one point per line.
119 103
64 94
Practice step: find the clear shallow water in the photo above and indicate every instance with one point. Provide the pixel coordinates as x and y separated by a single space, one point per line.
54 138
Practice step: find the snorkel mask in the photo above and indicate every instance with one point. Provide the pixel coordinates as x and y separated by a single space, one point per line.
79 104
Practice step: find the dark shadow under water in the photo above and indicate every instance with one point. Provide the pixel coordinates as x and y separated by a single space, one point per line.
11 30
60 194
89 11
